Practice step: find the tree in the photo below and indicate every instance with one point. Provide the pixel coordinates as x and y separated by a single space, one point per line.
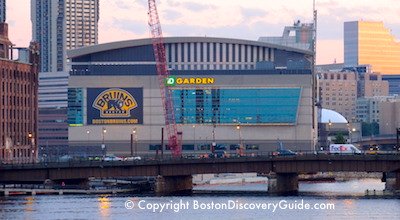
339 139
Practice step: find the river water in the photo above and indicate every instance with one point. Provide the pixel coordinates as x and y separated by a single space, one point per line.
328 200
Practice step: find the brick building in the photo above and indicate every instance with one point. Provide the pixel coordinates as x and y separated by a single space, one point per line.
18 101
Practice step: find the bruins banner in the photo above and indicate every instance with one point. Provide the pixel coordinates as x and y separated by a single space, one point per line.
115 106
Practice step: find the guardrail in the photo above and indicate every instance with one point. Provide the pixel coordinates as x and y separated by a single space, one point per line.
147 159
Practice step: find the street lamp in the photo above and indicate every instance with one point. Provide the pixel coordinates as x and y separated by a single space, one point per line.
32 151
329 132
103 146
194 137
136 140
240 135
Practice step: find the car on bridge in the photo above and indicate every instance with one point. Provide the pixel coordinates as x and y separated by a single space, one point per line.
284 152
113 158
132 158
373 150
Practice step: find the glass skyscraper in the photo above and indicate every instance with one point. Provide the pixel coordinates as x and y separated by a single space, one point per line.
367 42
59 25
2 11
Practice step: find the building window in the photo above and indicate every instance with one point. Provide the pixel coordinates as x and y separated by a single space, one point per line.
233 106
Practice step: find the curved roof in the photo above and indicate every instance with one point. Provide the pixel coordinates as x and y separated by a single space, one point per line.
328 115
146 41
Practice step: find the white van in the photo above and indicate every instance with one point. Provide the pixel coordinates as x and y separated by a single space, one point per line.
343 149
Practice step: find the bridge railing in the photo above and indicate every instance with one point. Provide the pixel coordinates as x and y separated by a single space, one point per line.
198 156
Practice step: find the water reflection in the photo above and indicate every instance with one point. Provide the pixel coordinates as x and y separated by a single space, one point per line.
104 206
112 206
30 200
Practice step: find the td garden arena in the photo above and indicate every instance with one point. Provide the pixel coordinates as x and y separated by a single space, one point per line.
226 92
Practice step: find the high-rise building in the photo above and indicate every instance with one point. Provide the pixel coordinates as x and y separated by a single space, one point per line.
380 109
59 25
2 11
81 19
18 105
389 116
338 92
367 42
48 29
371 84
394 84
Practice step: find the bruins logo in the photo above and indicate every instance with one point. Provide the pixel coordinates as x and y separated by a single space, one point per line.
115 103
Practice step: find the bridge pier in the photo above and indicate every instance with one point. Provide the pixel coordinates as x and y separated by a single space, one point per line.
283 183
392 181
167 185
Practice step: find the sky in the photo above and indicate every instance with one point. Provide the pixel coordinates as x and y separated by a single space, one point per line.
250 19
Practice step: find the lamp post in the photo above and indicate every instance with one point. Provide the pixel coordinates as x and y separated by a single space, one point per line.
103 146
194 137
31 150
329 132
136 140
88 135
353 130
213 144
240 135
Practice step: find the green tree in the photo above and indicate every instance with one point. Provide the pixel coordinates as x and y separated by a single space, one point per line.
339 139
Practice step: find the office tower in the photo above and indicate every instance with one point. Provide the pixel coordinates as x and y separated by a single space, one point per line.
367 42
81 27
339 92
2 11
59 25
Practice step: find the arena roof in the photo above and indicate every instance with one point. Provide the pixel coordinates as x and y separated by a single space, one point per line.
146 41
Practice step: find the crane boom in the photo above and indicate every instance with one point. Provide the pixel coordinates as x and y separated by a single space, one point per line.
163 73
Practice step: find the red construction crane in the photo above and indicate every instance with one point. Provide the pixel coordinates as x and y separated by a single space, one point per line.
174 137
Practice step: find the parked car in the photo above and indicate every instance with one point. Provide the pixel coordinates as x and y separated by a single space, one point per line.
284 152
112 158
373 150
132 158
65 158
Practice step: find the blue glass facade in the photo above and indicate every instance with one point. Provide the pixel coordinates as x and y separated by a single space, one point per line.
234 106
394 83
75 106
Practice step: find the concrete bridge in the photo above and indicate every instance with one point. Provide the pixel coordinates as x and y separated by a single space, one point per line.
175 175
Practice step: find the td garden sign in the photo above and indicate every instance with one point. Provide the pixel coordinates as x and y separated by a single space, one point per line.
174 81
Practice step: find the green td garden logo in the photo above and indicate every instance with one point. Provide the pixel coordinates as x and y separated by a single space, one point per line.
170 81
173 81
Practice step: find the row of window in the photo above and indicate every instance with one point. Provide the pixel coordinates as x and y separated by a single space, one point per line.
233 106
217 52
338 76
213 106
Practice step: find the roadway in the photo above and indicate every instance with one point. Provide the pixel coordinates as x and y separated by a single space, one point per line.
305 163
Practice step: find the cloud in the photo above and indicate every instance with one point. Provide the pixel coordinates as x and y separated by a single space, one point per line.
120 4
132 26
191 6
253 12
172 14
196 7
142 3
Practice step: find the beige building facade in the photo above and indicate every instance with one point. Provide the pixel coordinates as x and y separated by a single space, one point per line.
338 92
389 116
